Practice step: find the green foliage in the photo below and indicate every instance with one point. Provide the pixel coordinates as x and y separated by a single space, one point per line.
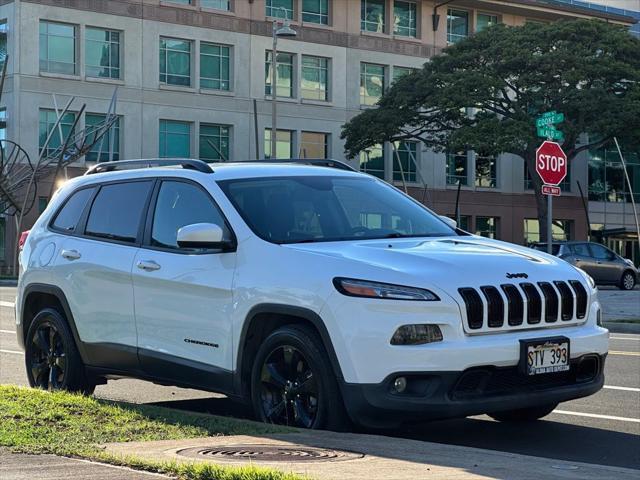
484 93
35 421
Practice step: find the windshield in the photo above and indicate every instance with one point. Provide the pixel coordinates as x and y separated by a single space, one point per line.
323 209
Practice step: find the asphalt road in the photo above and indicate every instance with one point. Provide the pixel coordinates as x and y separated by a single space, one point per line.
602 429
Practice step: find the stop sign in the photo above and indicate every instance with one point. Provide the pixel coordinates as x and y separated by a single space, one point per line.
551 163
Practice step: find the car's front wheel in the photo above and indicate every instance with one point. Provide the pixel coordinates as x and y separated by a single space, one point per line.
51 357
627 281
524 414
292 383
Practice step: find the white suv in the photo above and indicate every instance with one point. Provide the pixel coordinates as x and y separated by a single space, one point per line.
318 294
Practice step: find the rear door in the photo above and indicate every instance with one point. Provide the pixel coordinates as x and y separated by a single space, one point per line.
94 271
183 296
606 269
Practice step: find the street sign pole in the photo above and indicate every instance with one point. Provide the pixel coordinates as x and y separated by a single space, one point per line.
549 223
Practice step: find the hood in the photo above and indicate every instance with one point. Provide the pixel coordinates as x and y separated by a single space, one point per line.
449 262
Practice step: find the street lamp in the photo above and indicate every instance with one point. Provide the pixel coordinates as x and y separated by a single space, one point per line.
284 31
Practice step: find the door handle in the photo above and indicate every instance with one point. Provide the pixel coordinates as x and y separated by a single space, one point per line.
70 254
148 265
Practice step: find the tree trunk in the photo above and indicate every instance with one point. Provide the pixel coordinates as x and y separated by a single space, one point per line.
541 200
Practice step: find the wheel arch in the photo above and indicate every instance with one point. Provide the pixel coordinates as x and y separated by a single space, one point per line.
260 322
38 296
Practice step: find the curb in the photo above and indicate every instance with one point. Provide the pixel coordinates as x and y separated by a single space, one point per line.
622 327
8 283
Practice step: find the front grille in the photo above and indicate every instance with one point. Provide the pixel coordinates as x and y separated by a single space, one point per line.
492 381
526 305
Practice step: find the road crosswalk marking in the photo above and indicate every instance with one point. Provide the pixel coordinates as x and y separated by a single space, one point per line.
596 415
7 304
616 352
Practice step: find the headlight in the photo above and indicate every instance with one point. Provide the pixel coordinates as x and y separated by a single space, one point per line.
363 288
592 282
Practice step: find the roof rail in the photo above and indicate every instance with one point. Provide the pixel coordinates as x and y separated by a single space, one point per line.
187 163
318 162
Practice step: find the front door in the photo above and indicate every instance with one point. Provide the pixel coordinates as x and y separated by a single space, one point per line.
606 269
183 297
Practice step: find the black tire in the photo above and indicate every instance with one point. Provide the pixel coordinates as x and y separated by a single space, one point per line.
293 383
627 281
524 414
51 357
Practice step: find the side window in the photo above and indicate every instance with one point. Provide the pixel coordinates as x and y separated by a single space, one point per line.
117 210
67 218
581 249
600 252
180 204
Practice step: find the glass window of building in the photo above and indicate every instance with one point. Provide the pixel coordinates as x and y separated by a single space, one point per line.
48 120
215 72
315 78
280 8
485 20
561 230
284 144
462 222
102 53
175 139
405 18
314 145
214 142
315 11
404 163
58 48
42 204
371 83
486 171
607 181
3 42
457 170
3 234
100 151
399 72
175 61
285 74
3 123
372 15
181 2
372 161
216 4
457 25
488 227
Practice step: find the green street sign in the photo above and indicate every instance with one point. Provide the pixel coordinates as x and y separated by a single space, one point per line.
550 133
549 118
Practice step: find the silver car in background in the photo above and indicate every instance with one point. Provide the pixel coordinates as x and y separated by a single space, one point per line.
605 266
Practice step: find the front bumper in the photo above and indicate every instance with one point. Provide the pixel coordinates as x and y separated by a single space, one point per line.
475 391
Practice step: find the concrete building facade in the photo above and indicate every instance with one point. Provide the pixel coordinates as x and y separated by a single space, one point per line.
189 72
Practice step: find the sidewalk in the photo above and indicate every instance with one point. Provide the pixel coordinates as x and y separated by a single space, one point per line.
372 457
49 467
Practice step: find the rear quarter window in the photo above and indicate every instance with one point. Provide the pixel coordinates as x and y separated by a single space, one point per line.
69 215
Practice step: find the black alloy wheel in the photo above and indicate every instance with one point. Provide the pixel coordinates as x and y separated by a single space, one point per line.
47 359
289 390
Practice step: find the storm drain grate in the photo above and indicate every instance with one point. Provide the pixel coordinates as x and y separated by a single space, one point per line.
269 453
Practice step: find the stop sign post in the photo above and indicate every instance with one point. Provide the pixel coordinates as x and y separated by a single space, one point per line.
551 165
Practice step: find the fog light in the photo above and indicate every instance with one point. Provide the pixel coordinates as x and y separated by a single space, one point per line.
416 334
400 384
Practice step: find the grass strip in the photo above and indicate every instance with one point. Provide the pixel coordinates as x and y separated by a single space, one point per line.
36 422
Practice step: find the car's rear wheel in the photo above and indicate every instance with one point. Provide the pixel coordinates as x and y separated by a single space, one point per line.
51 357
627 281
524 414
293 384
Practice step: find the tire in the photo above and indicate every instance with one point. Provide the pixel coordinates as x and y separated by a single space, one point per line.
293 383
51 356
627 281
524 414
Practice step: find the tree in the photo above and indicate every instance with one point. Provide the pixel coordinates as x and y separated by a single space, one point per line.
484 94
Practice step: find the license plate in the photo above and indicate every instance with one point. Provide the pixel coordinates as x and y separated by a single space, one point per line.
544 355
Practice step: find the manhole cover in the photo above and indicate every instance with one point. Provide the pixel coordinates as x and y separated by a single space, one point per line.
269 453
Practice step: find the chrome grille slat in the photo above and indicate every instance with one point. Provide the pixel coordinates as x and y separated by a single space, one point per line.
506 307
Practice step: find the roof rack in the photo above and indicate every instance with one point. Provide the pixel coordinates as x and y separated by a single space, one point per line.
186 163
318 162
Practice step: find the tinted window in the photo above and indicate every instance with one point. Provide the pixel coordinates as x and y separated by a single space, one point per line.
117 211
322 208
180 204
581 249
67 218
600 252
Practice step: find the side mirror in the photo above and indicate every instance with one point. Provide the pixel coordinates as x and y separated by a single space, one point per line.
449 221
203 235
